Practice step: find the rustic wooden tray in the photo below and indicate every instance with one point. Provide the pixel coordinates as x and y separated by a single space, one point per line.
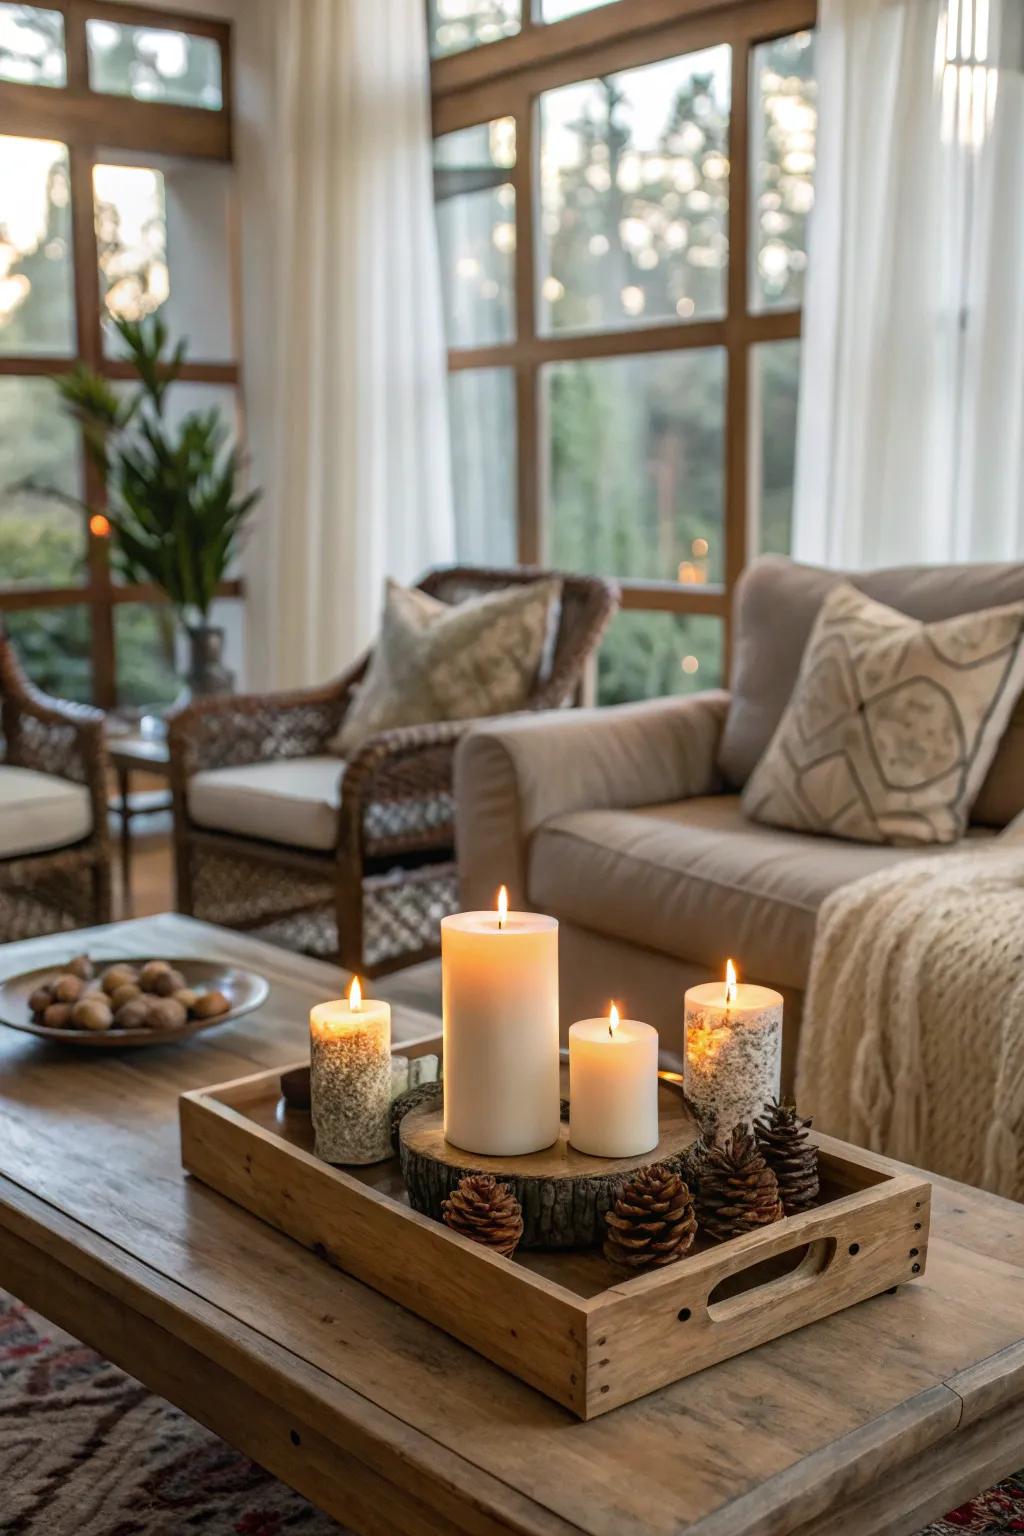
562 1321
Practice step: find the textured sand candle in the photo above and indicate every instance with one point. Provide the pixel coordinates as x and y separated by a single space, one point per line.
350 1078
499 987
733 1049
613 1086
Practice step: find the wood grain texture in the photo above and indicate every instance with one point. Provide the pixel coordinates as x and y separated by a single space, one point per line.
563 1193
815 1427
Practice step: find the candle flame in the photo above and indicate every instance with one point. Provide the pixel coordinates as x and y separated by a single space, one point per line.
730 983
503 906
613 1019
355 995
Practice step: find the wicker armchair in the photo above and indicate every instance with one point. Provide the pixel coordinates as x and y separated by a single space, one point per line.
54 842
375 896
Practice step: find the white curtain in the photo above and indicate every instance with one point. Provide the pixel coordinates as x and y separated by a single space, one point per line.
911 430
345 354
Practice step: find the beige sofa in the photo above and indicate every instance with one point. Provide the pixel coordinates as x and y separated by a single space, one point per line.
626 824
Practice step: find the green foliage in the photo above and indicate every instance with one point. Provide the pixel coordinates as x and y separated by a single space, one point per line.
171 492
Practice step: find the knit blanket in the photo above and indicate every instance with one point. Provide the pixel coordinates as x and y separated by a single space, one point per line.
912 1042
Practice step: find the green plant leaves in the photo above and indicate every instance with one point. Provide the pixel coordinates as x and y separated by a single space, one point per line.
171 491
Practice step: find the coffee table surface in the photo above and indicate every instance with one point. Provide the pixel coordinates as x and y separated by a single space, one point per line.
880 1417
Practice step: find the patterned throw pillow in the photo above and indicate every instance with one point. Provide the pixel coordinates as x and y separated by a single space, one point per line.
445 661
892 724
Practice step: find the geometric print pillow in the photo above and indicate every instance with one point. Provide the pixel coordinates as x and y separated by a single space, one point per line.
892 724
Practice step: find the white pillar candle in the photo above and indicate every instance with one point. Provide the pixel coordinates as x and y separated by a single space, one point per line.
613 1087
733 1049
350 1078
499 991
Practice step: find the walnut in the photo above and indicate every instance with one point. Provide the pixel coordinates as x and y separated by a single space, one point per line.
210 1004
90 1015
133 1014
57 1016
150 974
41 999
166 1013
68 989
126 994
187 998
82 967
118 976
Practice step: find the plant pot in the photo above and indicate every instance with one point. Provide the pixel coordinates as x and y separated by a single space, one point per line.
206 670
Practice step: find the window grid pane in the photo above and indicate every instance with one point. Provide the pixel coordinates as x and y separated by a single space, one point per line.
784 116
154 64
456 25
636 465
651 655
32 45
36 285
42 539
54 646
775 385
482 410
475 206
634 196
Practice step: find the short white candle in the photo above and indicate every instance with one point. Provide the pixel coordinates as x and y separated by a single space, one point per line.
350 1078
499 992
613 1087
733 1049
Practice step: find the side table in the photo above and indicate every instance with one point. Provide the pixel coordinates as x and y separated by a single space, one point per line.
136 754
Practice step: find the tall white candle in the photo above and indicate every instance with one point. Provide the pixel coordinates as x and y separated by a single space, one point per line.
350 1078
613 1087
500 1004
733 1049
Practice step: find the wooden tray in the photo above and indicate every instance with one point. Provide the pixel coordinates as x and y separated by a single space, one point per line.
564 1322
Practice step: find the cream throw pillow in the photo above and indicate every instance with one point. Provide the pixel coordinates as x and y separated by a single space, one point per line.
445 661
892 724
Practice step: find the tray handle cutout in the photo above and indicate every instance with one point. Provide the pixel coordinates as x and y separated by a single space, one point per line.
765 1281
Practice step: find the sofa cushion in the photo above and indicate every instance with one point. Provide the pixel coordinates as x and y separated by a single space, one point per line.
892 724
295 802
698 881
39 812
775 606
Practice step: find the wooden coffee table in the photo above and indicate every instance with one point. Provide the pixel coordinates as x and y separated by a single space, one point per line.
875 1420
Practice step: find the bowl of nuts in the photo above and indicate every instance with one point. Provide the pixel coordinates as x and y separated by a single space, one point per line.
128 1002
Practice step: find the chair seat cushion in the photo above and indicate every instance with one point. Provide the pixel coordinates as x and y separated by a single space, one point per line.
295 802
697 881
40 812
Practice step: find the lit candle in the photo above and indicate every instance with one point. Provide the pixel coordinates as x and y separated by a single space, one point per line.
499 990
350 1078
733 1049
613 1086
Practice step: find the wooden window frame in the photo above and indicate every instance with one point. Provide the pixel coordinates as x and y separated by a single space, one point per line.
505 79
89 123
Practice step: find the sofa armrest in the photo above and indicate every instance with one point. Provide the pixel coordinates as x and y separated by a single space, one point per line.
514 774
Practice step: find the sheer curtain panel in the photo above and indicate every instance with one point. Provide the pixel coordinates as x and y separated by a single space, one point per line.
345 365
912 392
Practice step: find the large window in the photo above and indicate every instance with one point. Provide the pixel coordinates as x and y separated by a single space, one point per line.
623 191
115 193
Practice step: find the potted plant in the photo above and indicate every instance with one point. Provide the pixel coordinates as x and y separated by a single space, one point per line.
172 497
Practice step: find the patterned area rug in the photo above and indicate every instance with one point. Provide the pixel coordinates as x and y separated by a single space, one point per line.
87 1451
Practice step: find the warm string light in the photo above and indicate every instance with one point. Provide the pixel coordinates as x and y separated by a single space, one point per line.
730 983
613 1020
355 996
502 906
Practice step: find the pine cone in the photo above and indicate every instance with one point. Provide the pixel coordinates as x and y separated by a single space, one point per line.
486 1211
738 1191
793 1158
652 1222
